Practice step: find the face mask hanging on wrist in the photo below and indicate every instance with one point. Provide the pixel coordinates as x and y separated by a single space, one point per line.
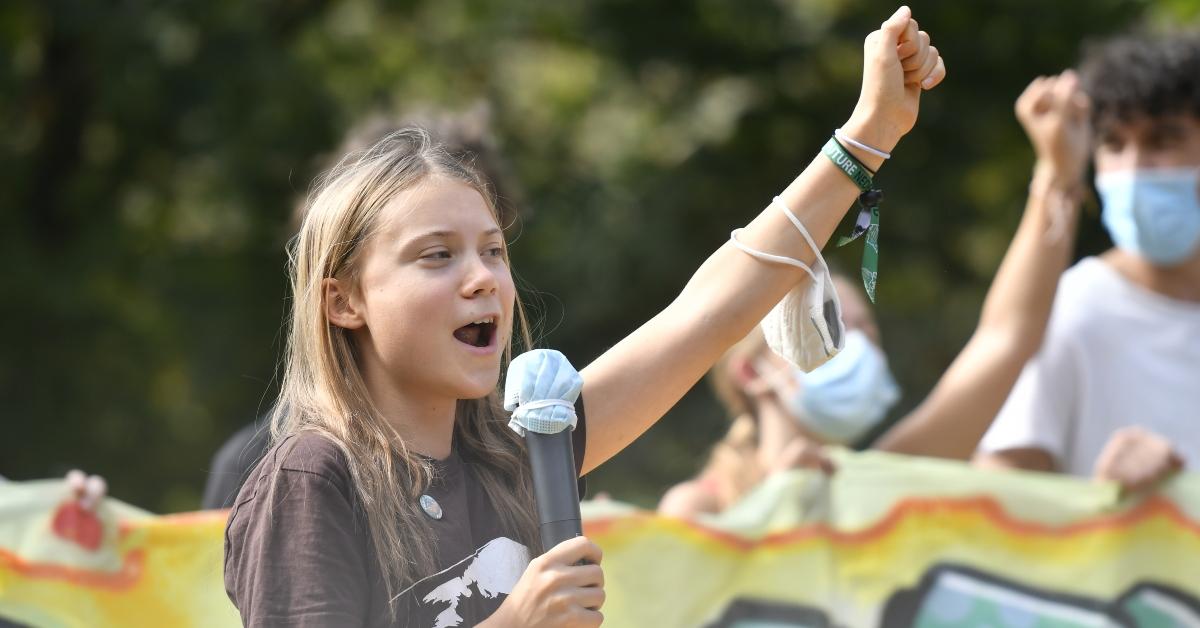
805 328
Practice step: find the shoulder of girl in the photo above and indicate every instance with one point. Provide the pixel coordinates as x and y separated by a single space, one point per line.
311 453
302 460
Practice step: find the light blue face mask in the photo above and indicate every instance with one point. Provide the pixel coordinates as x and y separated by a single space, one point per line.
1154 213
847 396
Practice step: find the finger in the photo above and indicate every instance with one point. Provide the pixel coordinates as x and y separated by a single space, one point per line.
1029 99
1036 86
894 26
918 75
587 617
1131 486
906 49
1137 477
566 552
918 57
1065 85
573 550
593 554
1034 90
1045 102
1105 468
1070 76
1043 99
590 575
828 466
94 491
591 598
1022 103
1071 97
910 32
76 481
935 77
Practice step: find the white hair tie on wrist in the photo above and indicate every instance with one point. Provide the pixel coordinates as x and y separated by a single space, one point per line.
842 137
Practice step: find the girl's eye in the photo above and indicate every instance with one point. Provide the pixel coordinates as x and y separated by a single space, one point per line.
436 255
495 251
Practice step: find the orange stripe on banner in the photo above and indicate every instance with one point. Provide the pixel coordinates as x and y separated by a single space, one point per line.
990 508
130 573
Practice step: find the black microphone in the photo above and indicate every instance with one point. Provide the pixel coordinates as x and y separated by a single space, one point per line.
555 486
540 385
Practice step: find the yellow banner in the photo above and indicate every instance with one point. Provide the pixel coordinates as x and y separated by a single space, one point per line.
886 541
893 541
61 565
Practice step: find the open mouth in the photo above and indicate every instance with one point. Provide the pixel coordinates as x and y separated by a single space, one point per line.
478 333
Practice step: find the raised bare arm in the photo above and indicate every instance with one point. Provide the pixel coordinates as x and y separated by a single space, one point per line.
961 407
633 384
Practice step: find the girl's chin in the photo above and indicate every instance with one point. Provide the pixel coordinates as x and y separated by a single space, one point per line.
475 394
480 388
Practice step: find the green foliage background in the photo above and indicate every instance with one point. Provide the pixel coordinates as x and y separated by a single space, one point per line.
151 153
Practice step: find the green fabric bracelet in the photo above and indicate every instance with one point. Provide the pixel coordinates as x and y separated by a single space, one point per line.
868 216
847 163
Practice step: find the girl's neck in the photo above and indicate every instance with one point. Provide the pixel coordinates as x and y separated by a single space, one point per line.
425 422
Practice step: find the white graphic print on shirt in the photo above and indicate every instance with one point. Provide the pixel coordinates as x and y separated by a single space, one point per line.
492 571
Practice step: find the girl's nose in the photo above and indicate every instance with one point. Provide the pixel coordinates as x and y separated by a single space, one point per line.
480 278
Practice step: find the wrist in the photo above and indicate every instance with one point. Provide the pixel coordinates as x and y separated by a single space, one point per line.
873 130
1049 178
862 129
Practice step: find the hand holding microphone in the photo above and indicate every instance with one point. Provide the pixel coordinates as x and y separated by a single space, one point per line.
565 585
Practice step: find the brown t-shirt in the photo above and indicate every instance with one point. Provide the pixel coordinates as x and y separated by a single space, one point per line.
308 561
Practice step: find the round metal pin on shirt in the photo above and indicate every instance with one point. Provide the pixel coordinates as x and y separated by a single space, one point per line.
431 507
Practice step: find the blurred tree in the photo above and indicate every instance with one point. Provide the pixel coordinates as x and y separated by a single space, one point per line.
151 154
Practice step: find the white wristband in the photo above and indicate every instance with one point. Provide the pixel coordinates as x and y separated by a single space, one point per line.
842 137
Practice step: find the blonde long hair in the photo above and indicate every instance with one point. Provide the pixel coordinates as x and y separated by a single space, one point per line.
323 391
733 463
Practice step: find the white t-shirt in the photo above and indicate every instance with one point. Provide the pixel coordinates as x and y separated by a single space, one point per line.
1115 355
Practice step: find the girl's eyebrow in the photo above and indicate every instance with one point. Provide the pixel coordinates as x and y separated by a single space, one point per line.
494 231
434 234
447 234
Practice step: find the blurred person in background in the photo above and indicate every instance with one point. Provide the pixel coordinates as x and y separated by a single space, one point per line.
783 417
1115 389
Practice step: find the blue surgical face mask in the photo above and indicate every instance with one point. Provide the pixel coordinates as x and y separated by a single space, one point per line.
843 399
1153 213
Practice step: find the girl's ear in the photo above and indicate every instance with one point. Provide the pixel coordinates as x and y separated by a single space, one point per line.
341 308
